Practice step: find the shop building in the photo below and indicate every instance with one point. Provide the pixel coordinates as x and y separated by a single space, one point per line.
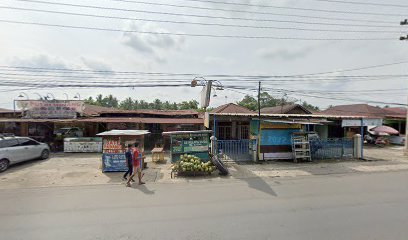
92 120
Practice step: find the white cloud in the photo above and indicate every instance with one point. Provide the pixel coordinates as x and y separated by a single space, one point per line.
152 45
39 61
283 53
96 64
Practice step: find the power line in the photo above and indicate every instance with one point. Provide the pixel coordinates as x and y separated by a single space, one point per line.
220 9
202 24
194 35
364 3
308 75
356 69
207 16
296 8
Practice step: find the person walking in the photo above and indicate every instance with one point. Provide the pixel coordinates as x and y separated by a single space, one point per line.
136 165
129 162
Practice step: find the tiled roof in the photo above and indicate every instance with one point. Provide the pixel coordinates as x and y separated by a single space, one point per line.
4 110
196 121
355 110
231 108
285 109
396 111
145 120
93 110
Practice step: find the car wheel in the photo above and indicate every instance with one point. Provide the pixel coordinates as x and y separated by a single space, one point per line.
4 164
45 154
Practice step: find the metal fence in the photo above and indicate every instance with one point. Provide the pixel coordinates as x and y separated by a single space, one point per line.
332 148
235 150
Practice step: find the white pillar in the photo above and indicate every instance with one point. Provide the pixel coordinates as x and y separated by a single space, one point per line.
357 146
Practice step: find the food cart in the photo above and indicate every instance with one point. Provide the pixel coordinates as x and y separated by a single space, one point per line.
194 143
114 144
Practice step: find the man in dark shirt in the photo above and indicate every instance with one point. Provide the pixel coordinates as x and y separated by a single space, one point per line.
129 161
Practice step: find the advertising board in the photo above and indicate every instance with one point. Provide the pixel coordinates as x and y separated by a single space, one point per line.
114 162
64 109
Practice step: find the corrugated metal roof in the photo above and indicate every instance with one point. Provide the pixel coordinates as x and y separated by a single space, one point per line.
355 110
153 112
289 115
145 120
284 109
231 108
4 110
113 120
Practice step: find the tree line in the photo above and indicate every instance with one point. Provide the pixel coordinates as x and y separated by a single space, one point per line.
248 101
130 104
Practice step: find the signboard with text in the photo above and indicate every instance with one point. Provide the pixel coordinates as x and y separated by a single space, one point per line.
114 162
61 109
358 122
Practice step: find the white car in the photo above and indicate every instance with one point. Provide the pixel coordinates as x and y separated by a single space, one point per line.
20 149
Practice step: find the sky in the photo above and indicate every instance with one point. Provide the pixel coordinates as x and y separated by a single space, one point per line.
23 45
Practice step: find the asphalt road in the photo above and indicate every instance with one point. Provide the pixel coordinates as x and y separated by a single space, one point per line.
356 206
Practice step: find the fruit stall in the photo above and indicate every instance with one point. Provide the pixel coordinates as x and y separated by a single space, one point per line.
195 143
114 145
189 152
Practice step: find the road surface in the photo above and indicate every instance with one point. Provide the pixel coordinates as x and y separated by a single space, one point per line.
355 206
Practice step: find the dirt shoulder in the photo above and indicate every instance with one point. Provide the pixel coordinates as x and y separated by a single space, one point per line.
85 169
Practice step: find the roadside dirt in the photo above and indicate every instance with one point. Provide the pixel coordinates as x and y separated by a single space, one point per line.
85 169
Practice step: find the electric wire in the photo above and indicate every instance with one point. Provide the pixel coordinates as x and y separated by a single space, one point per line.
206 16
296 8
204 24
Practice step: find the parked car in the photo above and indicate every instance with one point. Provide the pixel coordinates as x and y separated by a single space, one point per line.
69 132
20 149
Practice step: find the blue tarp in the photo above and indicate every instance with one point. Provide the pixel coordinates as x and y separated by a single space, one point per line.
277 137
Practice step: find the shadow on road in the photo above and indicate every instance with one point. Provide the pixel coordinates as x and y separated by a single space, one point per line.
143 189
254 181
260 185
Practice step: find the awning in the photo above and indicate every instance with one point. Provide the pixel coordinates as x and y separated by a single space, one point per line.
186 132
293 122
124 133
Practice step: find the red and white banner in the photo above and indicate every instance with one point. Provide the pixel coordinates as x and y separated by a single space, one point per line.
50 109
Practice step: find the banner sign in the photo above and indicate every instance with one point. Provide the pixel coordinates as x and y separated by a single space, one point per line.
357 122
82 147
50 109
114 162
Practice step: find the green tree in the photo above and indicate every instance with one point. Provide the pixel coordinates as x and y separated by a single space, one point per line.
249 102
110 101
90 101
157 104
127 104
99 100
310 106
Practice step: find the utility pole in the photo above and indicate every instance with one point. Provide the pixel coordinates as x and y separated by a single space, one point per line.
402 38
258 144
